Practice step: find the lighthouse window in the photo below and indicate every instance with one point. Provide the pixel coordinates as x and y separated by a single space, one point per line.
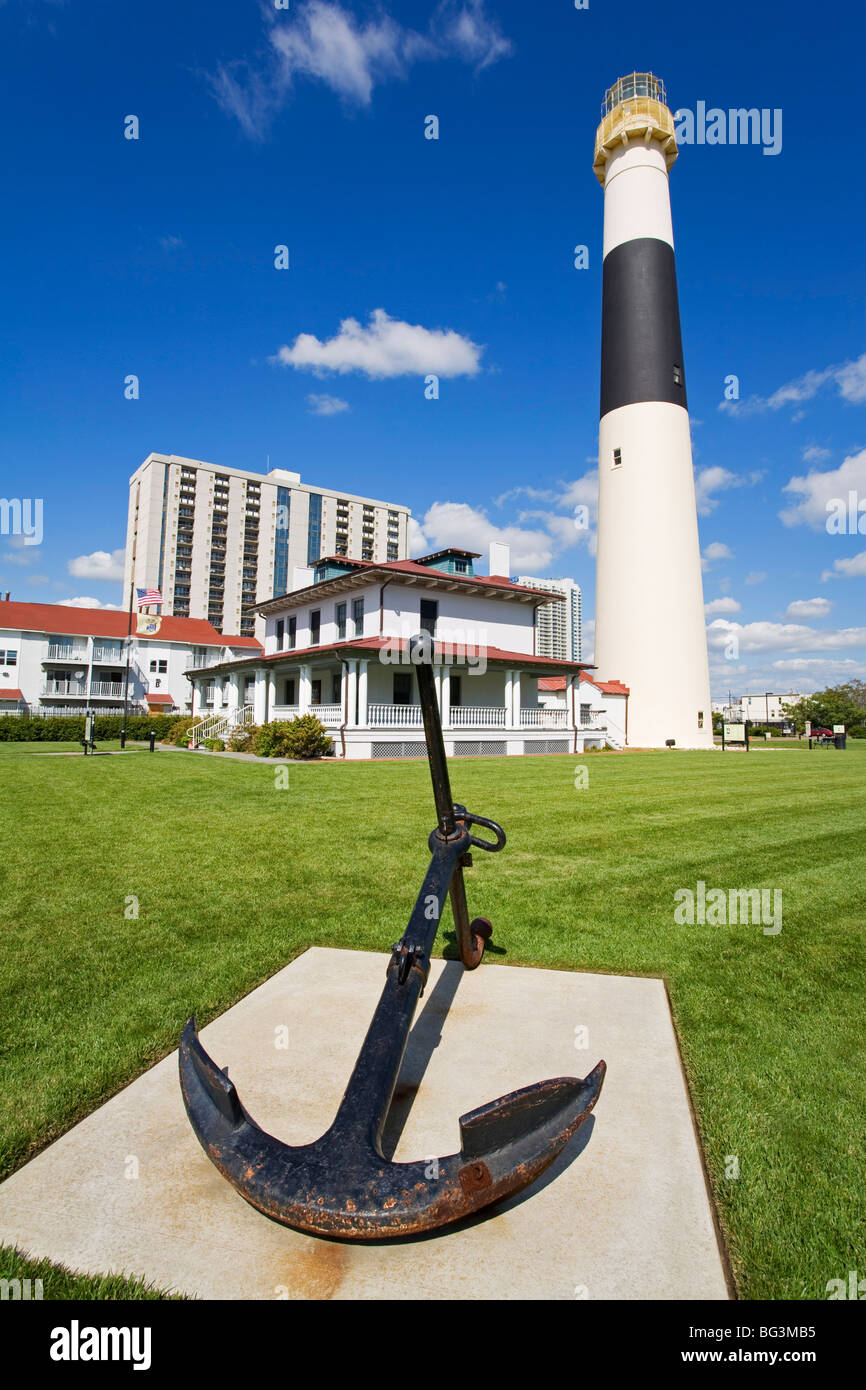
678 374
617 457
700 719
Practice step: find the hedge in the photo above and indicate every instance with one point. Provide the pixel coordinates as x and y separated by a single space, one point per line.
19 728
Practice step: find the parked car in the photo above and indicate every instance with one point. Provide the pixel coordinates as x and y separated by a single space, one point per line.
822 733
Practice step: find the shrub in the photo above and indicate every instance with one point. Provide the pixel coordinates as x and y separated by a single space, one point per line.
239 741
178 731
16 728
304 737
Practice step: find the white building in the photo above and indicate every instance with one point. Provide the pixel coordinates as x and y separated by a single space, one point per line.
337 646
766 708
559 624
215 541
59 660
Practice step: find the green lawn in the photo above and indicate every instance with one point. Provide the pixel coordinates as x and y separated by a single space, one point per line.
235 877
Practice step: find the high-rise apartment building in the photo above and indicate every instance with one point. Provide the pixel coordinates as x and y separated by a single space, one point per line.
558 632
216 540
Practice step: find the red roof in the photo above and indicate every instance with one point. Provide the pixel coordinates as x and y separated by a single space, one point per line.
606 687
159 699
414 567
358 645
10 694
553 682
111 622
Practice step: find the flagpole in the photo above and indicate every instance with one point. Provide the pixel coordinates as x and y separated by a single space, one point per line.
128 654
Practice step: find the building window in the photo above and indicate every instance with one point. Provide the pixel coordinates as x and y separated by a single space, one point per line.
315 627
585 715
456 691
340 615
314 528
289 691
617 458
316 695
336 688
358 616
460 566
429 614
402 688
292 634
281 634
160 666
11 658
700 719
678 374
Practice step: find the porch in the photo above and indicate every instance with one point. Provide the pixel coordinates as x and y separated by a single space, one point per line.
371 708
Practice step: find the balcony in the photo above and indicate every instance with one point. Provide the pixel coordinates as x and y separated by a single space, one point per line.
77 688
111 655
104 690
58 651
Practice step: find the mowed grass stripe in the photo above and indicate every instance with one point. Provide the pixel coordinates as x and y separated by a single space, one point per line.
234 878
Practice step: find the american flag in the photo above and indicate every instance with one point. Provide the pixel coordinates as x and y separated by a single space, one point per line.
148 596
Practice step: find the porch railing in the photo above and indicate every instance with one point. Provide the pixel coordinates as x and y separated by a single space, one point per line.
394 716
540 718
107 688
62 651
477 716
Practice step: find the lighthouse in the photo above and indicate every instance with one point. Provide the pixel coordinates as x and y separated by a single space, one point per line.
650 629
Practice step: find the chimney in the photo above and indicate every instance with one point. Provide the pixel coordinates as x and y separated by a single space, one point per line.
302 577
500 559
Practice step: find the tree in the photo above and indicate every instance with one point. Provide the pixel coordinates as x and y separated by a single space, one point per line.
839 704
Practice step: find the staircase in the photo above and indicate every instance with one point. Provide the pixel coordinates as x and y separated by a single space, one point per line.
222 725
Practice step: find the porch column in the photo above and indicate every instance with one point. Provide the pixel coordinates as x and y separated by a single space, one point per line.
272 692
509 698
237 695
196 698
260 699
304 690
445 698
515 698
363 713
352 692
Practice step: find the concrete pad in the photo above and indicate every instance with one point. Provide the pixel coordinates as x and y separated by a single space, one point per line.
623 1213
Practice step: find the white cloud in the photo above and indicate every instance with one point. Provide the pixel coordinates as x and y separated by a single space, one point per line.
722 605
385 348
716 550
849 378
711 480
816 489
419 542
794 637
324 42
818 663
170 243
456 523
82 602
815 454
853 567
755 577
21 557
99 565
808 608
326 405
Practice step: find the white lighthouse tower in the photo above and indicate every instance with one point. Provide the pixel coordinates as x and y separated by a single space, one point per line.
650 629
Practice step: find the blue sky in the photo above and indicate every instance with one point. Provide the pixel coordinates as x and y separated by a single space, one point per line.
260 127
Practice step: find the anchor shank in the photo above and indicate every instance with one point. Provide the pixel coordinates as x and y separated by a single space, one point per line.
367 1099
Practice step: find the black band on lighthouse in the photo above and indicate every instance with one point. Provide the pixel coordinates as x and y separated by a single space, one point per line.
641 345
